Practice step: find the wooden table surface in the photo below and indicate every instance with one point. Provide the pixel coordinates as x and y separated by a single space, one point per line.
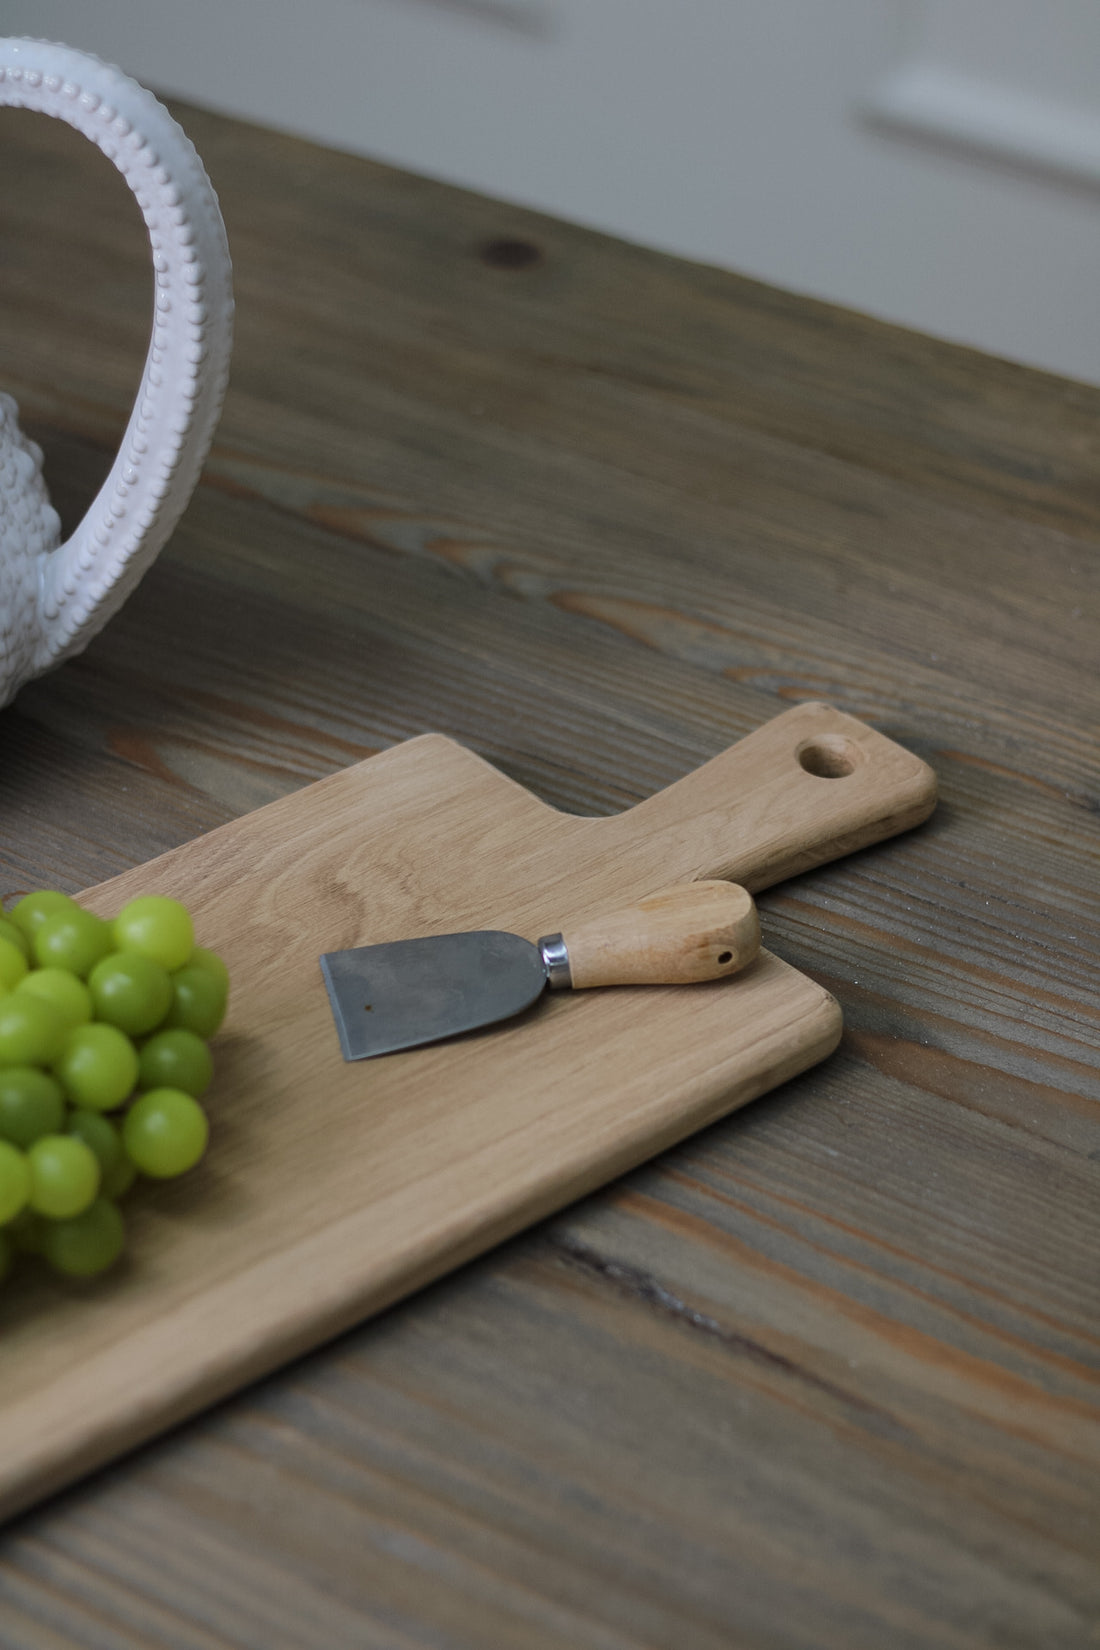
826 1375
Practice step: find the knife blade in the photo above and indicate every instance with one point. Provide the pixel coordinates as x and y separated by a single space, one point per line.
404 993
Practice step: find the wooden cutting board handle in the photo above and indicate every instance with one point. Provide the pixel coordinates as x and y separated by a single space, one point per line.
807 787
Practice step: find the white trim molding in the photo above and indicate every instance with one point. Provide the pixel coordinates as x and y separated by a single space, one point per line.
1003 121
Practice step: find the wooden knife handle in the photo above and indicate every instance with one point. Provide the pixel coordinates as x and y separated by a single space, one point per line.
694 931
807 787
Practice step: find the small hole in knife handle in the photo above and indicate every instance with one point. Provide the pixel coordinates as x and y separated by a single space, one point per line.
691 932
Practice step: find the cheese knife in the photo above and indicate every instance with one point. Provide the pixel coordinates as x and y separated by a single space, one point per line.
404 993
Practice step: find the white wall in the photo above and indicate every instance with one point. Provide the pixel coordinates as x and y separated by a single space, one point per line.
935 162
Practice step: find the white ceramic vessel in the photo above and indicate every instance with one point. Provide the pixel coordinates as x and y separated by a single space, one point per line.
54 597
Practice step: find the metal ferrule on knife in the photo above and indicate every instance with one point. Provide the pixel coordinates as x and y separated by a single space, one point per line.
555 960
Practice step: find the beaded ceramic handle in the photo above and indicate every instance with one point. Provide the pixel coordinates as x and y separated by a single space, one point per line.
78 585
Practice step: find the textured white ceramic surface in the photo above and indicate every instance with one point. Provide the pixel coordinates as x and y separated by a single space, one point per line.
54 597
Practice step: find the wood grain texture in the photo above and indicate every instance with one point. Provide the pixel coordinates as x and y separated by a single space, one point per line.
825 1375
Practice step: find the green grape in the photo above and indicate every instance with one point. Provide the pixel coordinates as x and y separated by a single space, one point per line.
198 1001
31 1104
33 910
86 1244
15 936
73 939
97 1066
74 990
31 1030
101 1135
15 1181
13 964
69 996
165 1132
157 927
118 1182
175 1059
64 1176
130 991
213 964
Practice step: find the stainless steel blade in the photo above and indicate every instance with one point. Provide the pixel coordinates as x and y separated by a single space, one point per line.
408 992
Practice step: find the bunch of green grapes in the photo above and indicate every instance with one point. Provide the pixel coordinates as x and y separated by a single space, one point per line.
104 1030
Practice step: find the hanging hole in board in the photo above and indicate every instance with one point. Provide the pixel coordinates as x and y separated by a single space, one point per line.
829 756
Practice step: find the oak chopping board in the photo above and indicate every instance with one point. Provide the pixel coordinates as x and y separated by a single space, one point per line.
331 1189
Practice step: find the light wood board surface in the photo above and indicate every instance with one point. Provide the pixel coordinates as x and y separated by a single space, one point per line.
333 1188
824 1376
